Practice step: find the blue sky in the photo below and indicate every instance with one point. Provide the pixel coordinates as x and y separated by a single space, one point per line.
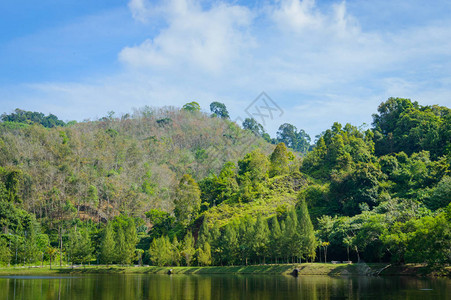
320 61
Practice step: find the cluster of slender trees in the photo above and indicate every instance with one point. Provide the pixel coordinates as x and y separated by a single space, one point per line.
247 240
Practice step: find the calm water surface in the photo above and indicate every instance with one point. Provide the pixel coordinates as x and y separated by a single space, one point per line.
221 287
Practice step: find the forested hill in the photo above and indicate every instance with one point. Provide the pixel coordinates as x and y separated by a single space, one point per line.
118 165
184 187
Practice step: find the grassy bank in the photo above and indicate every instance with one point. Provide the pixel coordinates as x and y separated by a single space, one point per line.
284 269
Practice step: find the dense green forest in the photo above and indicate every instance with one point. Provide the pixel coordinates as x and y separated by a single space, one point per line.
169 186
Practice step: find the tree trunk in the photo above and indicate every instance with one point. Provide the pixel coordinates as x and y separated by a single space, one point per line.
358 256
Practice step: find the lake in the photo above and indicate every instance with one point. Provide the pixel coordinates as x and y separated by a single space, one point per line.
85 287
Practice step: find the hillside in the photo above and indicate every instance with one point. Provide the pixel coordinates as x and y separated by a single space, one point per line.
111 166
170 187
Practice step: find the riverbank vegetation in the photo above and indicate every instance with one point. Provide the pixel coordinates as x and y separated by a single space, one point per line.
172 187
304 269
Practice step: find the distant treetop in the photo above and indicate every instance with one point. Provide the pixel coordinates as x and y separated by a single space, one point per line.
219 109
29 117
191 106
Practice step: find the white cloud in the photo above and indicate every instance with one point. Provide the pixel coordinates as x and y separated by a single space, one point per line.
316 60
298 15
207 39
140 10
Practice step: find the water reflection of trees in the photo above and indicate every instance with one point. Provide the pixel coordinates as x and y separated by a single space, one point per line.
106 287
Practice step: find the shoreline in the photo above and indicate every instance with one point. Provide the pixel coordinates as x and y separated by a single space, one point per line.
305 269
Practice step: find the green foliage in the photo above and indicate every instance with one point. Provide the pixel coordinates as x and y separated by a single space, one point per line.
28 117
252 125
5 253
216 189
160 251
292 239
275 239
338 150
134 164
306 231
125 238
191 107
440 195
288 134
252 174
187 200
260 239
230 244
79 246
164 122
108 245
204 255
203 236
121 246
423 240
162 222
219 110
279 161
377 195
402 125
188 249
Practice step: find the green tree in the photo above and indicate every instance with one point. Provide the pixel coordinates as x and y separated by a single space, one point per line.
204 255
306 231
403 125
43 242
252 125
188 249
175 251
29 117
219 110
293 139
292 242
245 236
79 246
440 195
261 238
191 106
5 253
108 245
162 222
160 251
139 256
430 241
279 161
203 235
275 239
230 244
216 244
252 174
121 246
51 254
31 250
215 190
187 200
131 239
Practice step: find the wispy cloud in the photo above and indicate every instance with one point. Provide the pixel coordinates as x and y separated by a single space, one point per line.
205 39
